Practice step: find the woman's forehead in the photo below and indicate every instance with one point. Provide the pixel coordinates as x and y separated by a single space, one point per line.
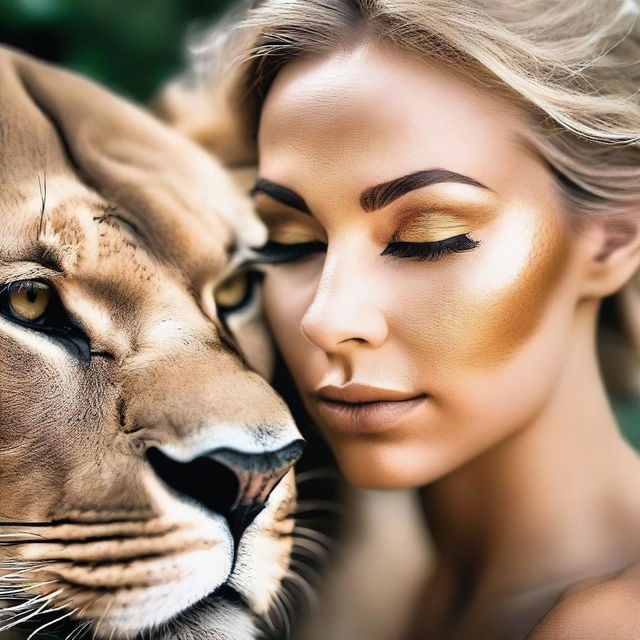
370 77
372 115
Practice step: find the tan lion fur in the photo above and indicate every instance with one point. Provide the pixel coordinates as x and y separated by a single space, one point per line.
132 225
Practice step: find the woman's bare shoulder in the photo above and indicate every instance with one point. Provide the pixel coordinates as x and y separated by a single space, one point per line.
606 607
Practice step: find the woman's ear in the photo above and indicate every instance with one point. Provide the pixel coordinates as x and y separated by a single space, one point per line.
613 253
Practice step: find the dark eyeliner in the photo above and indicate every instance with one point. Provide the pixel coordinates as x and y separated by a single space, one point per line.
430 250
277 252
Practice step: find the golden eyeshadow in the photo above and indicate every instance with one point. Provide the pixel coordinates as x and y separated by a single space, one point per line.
431 224
428 227
290 228
287 235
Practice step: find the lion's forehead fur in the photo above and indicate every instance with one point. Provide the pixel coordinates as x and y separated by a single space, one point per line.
120 277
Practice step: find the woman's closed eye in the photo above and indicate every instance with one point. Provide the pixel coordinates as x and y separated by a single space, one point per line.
280 252
291 238
430 250
430 234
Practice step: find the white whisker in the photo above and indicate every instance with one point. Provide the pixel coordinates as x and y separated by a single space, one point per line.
314 549
78 630
25 617
305 506
304 570
322 538
39 584
280 608
48 624
26 603
286 600
85 629
309 595
102 617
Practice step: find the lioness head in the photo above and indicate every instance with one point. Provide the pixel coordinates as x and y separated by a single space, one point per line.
141 461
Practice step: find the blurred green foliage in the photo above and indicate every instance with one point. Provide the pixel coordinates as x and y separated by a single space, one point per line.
130 45
628 414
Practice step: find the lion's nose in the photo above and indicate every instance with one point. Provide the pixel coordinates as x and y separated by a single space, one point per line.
232 483
257 473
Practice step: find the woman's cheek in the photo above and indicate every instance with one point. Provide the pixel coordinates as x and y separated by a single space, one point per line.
527 268
475 310
288 293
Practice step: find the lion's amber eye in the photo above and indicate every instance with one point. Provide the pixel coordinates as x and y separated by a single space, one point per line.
36 306
30 300
233 291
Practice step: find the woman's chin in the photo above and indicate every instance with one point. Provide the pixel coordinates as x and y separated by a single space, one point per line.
383 465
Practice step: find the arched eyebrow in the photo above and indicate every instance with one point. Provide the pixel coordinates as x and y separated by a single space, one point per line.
282 194
374 197
385 193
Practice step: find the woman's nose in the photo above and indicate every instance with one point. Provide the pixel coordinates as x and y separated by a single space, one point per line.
343 311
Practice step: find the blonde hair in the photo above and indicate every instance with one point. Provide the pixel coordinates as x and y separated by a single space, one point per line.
572 65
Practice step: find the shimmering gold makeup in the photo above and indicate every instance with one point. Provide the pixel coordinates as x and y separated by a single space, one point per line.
420 216
291 227
503 327
449 279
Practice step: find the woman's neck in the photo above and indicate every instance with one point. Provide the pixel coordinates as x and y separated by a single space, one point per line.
555 502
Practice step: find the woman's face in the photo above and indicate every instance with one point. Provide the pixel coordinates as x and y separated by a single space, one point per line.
428 280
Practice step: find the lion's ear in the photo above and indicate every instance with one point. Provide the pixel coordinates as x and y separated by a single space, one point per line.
118 149
207 114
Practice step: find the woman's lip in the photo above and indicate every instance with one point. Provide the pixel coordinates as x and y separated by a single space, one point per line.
365 417
355 393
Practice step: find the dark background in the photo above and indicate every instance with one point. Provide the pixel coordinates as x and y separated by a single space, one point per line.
133 46
130 45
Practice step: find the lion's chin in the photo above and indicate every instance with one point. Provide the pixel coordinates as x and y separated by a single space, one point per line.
164 589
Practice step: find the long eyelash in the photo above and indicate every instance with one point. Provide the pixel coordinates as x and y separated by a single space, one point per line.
278 252
430 250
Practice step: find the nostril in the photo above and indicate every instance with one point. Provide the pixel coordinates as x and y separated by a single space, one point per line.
204 480
258 473
229 482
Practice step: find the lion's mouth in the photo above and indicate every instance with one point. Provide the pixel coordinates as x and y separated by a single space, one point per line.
127 576
121 573
123 577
